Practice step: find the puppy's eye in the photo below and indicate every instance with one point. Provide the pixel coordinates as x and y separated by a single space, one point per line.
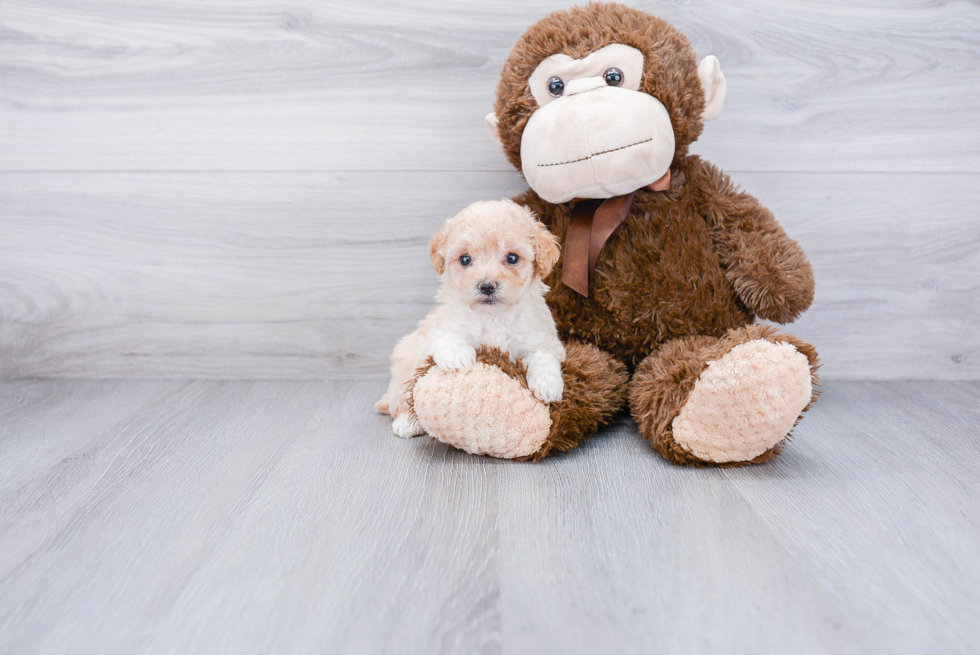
465 260
512 258
613 77
556 87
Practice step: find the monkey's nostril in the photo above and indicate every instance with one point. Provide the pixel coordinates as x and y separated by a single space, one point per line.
487 288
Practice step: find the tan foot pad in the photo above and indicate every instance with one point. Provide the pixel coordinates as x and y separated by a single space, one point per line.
744 403
499 417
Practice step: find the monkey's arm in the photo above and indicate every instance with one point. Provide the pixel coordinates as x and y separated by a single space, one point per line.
769 270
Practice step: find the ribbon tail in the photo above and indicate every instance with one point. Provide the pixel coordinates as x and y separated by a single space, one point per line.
589 228
575 258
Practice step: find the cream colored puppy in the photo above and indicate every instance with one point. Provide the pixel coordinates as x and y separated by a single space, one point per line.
492 257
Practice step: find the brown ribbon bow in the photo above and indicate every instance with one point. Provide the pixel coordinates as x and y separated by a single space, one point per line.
591 225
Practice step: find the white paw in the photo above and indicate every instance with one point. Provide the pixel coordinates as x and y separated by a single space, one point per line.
407 426
454 357
546 385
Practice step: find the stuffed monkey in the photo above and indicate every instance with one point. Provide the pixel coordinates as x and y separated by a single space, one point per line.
665 263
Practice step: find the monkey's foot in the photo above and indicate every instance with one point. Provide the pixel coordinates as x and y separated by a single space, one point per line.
744 403
728 401
489 409
481 410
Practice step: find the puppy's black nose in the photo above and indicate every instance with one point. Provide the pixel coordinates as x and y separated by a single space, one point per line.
487 288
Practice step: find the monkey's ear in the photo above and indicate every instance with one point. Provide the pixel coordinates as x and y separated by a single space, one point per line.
546 250
714 85
492 124
435 251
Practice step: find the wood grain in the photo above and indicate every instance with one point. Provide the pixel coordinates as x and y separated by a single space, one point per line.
176 516
244 189
378 85
316 275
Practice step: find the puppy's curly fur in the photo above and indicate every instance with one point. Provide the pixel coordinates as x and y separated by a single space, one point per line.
492 257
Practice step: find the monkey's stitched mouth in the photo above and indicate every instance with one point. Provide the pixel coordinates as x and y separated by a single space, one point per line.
596 154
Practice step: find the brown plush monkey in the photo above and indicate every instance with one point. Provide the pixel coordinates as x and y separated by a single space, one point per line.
665 264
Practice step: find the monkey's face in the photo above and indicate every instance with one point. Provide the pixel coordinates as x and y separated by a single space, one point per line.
607 111
595 135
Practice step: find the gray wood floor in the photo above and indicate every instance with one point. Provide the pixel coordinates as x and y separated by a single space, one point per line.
179 516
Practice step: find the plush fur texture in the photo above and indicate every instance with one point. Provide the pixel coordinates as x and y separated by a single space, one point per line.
670 71
702 258
491 257
501 418
744 403
680 283
664 382
621 140
595 390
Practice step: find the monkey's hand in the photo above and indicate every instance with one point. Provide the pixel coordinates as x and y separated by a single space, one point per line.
769 270
771 275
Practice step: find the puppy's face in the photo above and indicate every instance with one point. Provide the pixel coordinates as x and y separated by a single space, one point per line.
490 252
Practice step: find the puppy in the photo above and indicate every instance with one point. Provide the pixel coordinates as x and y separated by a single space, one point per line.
492 257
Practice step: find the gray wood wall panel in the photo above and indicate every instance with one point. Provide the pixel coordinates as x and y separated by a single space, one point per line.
254 85
245 189
312 275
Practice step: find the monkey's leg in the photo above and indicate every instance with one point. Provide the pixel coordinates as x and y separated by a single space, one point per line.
729 401
489 410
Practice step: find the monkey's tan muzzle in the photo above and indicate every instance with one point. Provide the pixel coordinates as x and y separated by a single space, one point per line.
596 142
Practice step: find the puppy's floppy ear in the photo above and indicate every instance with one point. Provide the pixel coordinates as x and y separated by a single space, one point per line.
435 250
546 249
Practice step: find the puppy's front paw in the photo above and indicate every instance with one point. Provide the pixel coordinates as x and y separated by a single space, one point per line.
454 357
546 385
406 426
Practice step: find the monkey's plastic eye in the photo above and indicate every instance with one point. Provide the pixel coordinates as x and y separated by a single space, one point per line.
556 87
613 77
512 258
465 260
